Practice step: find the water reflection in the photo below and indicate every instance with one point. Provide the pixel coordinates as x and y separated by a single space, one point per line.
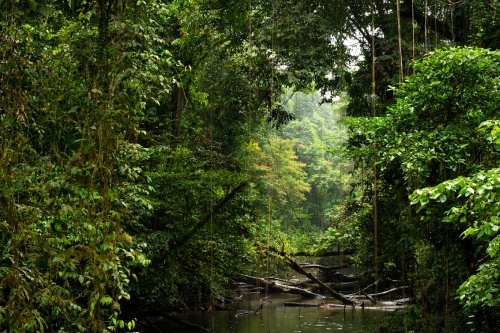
276 318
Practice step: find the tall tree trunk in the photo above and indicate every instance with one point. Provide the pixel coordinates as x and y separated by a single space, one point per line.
179 103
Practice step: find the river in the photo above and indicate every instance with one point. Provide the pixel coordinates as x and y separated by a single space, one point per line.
277 318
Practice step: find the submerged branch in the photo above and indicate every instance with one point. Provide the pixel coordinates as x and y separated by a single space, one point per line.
185 323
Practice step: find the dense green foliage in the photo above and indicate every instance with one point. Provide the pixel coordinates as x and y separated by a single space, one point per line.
127 127
146 146
473 204
429 136
70 95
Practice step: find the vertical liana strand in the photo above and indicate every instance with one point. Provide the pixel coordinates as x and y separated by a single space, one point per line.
374 113
446 311
413 32
400 48
425 27
401 77
271 59
435 24
342 67
250 71
212 302
373 59
452 20
249 120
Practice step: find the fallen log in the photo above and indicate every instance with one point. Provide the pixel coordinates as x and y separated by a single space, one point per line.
344 278
373 300
275 286
296 267
404 301
337 306
331 273
372 297
378 283
298 304
289 282
388 291
324 268
340 286
364 307
398 302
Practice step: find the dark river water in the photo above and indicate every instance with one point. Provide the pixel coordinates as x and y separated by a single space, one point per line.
276 318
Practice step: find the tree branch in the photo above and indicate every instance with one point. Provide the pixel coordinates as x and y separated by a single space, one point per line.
215 211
